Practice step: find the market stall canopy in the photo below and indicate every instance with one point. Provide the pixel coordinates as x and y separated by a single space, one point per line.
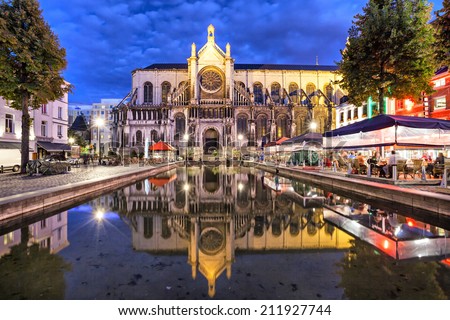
161 146
389 130
306 137
276 143
53 147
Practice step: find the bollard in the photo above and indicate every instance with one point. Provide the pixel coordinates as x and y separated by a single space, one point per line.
334 167
369 170
444 179
349 168
394 172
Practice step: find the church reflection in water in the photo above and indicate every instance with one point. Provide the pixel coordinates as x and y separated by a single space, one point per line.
211 213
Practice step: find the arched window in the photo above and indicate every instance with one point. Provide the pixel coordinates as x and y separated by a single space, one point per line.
282 122
258 93
310 88
165 91
328 90
275 92
261 126
148 92
293 92
148 227
139 137
242 124
154 136
180 127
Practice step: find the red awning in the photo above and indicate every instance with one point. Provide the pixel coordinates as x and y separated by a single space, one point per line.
275 143
161 146
159 182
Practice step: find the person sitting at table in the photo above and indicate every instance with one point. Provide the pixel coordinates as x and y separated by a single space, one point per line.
381 166
362 168
373 160
437 166
440 159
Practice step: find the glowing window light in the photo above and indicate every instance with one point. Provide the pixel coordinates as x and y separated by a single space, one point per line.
409 104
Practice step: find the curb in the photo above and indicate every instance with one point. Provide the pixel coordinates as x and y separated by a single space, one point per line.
25 204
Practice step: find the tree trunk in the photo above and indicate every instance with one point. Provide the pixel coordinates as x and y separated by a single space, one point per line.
25 148
380 100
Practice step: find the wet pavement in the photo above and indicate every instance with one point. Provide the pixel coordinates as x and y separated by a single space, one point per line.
15 183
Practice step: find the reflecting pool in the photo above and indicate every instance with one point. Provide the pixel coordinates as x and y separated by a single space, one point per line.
226 233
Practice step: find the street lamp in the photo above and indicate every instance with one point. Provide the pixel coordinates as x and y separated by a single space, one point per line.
99 122
240 137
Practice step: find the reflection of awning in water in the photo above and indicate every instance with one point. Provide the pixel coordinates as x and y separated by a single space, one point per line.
10 145
53 147
159 182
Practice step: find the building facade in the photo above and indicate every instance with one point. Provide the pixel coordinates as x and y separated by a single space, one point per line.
102 136
212 103
48 132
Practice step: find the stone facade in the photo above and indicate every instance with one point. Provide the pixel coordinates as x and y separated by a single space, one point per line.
211 101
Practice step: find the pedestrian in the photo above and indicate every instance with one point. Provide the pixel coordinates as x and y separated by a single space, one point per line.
277 182
424 166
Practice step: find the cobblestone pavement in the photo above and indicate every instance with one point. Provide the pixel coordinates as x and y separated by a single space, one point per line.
14 183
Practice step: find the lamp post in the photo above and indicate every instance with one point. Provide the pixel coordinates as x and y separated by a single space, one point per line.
240 137
99 123
313 127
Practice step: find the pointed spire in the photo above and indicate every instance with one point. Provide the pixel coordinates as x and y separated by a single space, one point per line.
193 50
228 50
211 33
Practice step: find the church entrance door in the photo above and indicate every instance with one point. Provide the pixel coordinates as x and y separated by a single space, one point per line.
211 142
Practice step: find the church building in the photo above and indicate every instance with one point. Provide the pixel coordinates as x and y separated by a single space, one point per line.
212 104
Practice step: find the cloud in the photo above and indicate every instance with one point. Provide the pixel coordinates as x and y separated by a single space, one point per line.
106 39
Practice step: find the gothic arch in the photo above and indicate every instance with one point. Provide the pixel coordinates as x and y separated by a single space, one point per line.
282 124
211 139
148 92
275 92
293 92
165 91
258 92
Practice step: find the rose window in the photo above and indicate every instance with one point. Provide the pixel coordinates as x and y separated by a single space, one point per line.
211 81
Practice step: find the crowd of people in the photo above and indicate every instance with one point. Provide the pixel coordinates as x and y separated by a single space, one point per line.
382 167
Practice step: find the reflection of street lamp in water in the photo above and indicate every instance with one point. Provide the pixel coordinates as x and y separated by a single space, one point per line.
99 122
186 139
240 137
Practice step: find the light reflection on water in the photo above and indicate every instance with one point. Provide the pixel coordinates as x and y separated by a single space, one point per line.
225 233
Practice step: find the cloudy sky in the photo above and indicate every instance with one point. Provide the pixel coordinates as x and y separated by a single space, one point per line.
106 39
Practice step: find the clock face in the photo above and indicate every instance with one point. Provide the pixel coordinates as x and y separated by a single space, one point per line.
211 81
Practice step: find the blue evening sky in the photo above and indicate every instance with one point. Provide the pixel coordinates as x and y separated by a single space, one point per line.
106 40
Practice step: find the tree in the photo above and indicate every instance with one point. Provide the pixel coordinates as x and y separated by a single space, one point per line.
442 26
31 61
389 52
